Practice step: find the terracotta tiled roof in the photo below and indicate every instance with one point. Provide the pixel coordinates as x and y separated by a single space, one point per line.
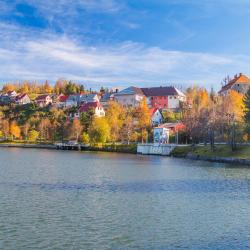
240 79
85 107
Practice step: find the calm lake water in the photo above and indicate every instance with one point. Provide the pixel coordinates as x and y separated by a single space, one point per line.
73 200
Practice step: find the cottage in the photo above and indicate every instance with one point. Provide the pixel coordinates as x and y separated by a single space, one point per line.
106 98
12 94
22 99
5 100
75 100
156 116
164 97
131 96
95 106
88 98
61 101
43 100
240 83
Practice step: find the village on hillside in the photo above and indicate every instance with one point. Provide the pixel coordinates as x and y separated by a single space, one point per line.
164 114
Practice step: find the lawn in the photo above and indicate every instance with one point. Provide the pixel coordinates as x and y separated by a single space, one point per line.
220 150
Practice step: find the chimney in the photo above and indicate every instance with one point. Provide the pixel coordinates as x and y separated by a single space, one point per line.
116 90
240 74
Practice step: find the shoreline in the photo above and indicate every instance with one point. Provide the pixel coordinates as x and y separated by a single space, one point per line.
189 155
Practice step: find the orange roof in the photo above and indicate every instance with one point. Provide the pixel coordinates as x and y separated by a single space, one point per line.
237 80
152 111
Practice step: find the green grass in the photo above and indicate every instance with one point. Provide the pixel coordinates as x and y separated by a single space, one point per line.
219 151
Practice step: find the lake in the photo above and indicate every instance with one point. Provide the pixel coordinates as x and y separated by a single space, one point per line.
80 200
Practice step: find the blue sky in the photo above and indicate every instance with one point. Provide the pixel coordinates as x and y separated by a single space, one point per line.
125 42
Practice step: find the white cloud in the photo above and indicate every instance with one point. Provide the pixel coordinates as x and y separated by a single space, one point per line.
43 56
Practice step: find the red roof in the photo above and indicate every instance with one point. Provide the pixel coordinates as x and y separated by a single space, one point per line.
152 111
63 98
240 79
91 105
20 96
41 97
173 126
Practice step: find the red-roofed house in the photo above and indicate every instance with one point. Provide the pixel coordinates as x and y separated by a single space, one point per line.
22 99
173 126
240 83
96 106
43 100
61 101
156 116
164 97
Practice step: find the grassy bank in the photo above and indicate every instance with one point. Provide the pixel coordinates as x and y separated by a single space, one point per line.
242 152
119 148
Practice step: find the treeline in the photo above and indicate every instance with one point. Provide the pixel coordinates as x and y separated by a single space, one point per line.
210 117
60 87
32 123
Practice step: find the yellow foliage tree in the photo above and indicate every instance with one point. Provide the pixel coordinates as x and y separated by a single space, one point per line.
15 131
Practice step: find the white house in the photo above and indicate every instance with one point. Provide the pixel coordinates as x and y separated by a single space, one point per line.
95 106
156 116
43 100
240 83
131 96
22 99
75 100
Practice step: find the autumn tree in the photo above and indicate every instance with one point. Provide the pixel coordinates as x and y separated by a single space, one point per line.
75 129
247 112
15 131
114 118
99 131
143 119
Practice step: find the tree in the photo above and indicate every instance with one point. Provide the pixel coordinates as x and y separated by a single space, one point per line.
86 119
15 130
33 135
99 131
247 112
75 129
5 128
85 138
114 118
143 118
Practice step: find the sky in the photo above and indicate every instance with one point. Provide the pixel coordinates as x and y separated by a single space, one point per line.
124 42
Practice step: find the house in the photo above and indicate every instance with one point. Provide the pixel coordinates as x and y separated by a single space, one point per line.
43 100
131 96
22 99
156 116
5 100
72 101
173 127
106 98
75 100
161 135
164 97
240 83
12 94
95 106
60 101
